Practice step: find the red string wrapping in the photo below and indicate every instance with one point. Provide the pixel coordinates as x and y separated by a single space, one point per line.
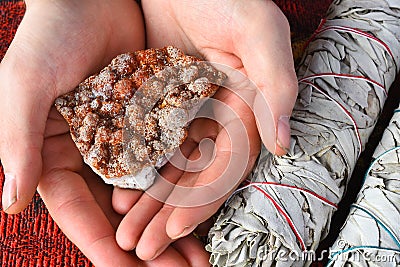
347 76
286 216
321 28
307 80
280 209
348 114
312 193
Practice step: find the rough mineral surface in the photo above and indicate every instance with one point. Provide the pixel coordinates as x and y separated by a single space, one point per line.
136 111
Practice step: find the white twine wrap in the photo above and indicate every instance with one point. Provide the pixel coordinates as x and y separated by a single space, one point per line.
371 233
343 81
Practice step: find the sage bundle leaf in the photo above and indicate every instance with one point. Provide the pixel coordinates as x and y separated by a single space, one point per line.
371 234
286 208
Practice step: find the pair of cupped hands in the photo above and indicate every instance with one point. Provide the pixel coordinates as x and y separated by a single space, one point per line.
60 43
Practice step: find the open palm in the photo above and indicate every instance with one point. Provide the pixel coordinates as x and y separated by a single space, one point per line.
78 199
250 37
57 45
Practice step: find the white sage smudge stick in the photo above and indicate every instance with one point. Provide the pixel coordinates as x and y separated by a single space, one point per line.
286 208
371 233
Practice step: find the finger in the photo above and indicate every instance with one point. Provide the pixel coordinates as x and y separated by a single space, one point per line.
154 239
145 208
208 195
123 199
56 124
193 251
142 210
170 258
28 91
78 209
263 44
73 207
58 59
23 114
102 193
135 221
236 149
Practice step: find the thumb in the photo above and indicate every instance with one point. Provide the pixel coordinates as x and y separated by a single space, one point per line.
24 109
33 72
265 51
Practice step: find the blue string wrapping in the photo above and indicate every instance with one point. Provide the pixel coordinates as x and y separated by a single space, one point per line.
371 233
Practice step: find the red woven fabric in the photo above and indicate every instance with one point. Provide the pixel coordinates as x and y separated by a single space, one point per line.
32 238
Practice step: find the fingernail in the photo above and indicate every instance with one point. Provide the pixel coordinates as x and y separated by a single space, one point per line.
283 133
158 253
187 230
9 191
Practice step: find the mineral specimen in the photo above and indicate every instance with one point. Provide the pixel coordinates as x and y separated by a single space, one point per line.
131 116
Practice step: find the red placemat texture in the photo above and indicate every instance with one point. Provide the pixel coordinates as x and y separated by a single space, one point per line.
32 238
